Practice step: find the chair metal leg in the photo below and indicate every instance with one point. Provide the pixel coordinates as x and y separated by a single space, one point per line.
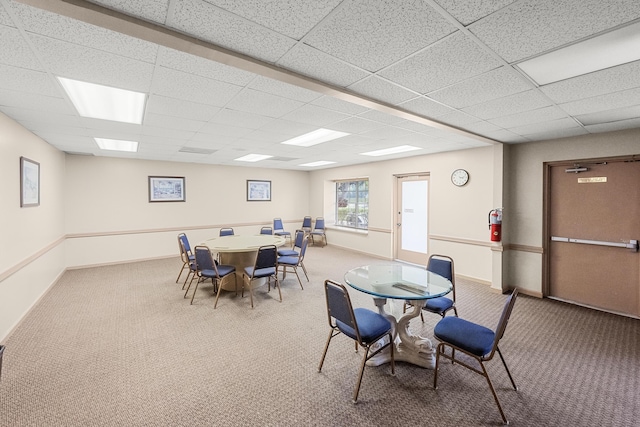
439 349
194 291
326 347
305 270
181 270
278 286
515 387
493 391
362 365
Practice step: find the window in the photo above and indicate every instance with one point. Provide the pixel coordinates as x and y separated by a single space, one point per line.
352 204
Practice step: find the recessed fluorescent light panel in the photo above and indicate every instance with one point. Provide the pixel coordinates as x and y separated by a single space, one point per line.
608 50
315 137
392 150
318 163
117 145
253 158
104 102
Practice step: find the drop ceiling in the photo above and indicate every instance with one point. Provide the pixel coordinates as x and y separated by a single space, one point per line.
228 78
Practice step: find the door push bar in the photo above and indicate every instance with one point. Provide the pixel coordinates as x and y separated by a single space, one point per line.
633 244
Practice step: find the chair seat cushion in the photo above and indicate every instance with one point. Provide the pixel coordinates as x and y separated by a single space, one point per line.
471 337
318 233
224 269
288 252
371 325
438 305
289 260
260 272
282 233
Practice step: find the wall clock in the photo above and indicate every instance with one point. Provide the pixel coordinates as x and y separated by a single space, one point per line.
460 177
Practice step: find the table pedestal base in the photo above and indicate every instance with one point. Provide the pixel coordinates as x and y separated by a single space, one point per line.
408 347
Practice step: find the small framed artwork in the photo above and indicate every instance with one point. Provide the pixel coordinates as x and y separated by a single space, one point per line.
166 189
29 183
258 191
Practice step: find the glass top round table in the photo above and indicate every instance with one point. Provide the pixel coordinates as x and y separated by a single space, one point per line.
398 281
410 283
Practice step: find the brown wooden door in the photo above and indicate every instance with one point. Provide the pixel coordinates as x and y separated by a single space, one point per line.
597 207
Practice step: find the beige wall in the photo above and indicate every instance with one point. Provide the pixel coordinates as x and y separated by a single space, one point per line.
32 243
109 217
524 180
457 215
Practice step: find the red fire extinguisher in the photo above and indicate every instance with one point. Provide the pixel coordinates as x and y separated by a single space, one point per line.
495 224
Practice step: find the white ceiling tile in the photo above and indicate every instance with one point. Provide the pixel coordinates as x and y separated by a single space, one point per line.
373 34
545 127
224 130
380 89
425 107
389 132
504 135
241 118
481 128
448 61
355 125
275 87
15 51
529 27
179 85
203 67
381 117
287 128
209 23
5 19
470 11
313 115
33 105
614 126
205 139
457 119
180 108
318 65
609 101
293 18
150 10
613 79
557 133
41 22
90 65
339 105
511 104
177 134
253 101
171 122
52 119
529 117
33 82
616 115
491 85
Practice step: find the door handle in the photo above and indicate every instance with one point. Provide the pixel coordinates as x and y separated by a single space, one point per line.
632 244
398 224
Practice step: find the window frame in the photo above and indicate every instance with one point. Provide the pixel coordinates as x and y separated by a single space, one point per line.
361 206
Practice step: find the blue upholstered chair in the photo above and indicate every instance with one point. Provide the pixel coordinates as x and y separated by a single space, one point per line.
318 231
306 224
226 232
443 266
278 229
208 268
475 341
266 230
297 244
264 267
186 256
292 262
364 326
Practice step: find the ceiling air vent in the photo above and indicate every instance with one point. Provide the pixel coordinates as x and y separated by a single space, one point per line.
78 153
195 150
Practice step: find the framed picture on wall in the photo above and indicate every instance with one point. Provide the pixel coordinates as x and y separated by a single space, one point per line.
166 189
29 183
258 191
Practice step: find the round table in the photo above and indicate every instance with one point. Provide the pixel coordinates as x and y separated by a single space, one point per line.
240 251
407 283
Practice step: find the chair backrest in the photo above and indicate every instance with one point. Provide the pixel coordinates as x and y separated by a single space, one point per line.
303 250
339 305
504 319
442 265
266 230
185 243
204 259
297 243
226 232
306 222
277 224
319 224
266 257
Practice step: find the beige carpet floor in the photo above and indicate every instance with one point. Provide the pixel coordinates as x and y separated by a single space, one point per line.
119 346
